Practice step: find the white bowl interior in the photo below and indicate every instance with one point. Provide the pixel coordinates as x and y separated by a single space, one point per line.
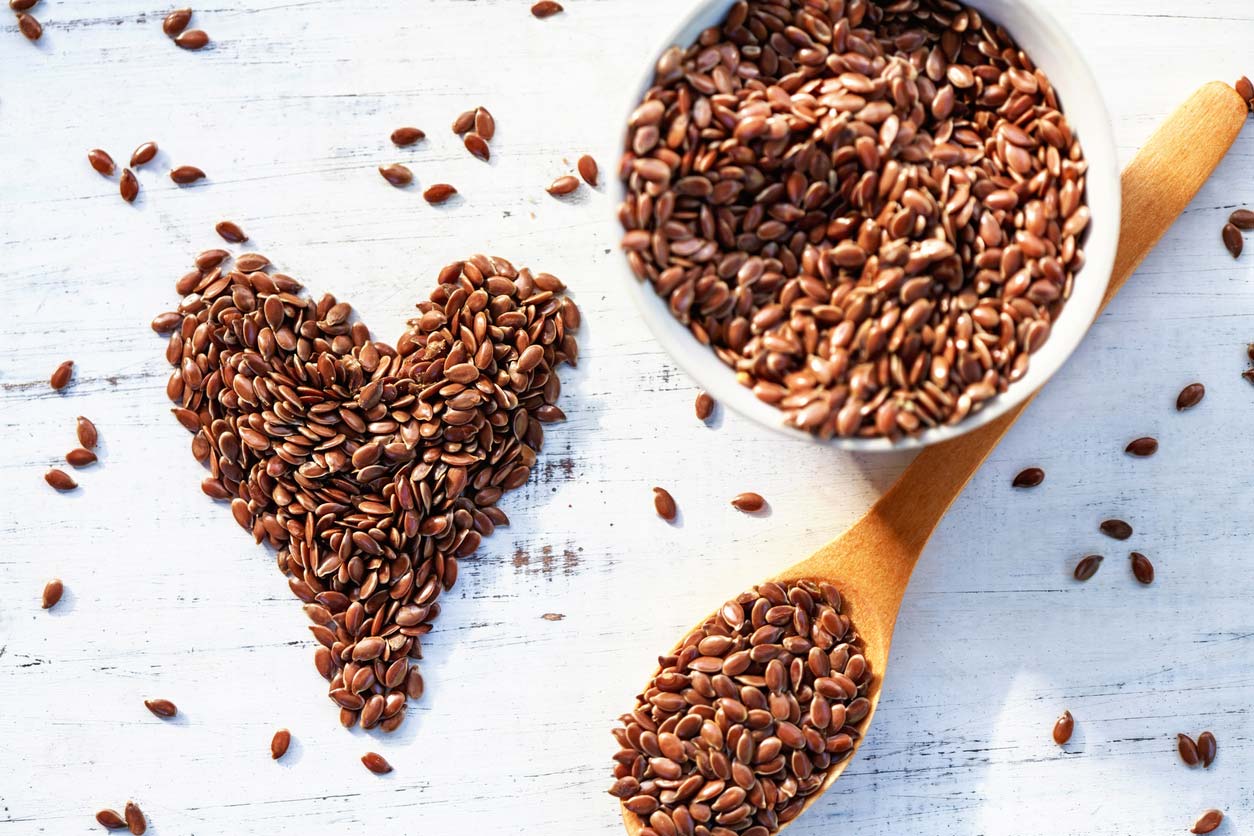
1053 51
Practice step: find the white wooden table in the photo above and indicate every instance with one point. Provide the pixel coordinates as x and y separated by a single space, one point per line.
289 113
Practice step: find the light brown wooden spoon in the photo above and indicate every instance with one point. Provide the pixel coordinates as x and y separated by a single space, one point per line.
871 563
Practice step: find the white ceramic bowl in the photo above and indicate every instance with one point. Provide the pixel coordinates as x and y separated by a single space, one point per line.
1053 51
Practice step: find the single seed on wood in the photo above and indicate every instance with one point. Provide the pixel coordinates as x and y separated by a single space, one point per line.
61 377
143 154
1190 396
176 21
22 5
406 136
1187 749
128 186
161 708
1242 219
485 125
546 8
279 743
1207 747
464 122
1246 88
664 504
588 169
704 406
230 232
1087 567
29 27
79 457
101 161
1063 728
1233 240
1142 447
186 174
52 593
1118 529
438 193
135 819
86 431
748 502
1207 822
477 146
397 174
563 185
193 39
1142 569
376 763
1028 478
110 819
60 480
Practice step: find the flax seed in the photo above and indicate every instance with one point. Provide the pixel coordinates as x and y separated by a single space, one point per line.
61 377
52 593
101 161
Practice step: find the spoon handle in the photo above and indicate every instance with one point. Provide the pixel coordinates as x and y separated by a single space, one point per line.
1158 184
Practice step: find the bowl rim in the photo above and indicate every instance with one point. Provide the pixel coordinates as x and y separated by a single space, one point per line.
700 363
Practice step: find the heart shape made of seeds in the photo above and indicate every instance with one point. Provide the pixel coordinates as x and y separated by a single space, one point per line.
372 469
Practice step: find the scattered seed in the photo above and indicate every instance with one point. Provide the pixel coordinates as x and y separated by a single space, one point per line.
22 5
251 262
464 122
477 146
143 154
1242 219
704 406
101 161
210 259
110 819
279 743
1187 749
553 616
588 169
29 27
1029 478
748 502
52 593
1063 728
1207 822
485 125
60 480
563 185
546 8
86 431
438 193
1248 374
1087 567
407 136
1118 529
1142 447
1246 88
135 819
193 39
1190 396
1207 747
61 377
376 763
186 174
230 232
664 504
128 186
397 174
79 457
1233 240
1142 569
176 21
161 708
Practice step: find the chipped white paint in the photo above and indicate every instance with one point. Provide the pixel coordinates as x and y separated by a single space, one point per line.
289 113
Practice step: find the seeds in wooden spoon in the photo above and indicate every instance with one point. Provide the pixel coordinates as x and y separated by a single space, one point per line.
60 480
176 21
664 504
128 186
1118 529
110 819
186 174
1190 396
1087 567
704 406
1063 728
747 715
438 193
79 457
748 502
1207 822
279 743
1028 478
397 174
376 763
61 376
230 232
135 820
161 707
101 161
1142 568
52 593
406 136
1233 240
193 39
563 185
1142 447
588 169
1207 747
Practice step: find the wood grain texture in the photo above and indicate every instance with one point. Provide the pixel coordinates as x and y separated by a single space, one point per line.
289 112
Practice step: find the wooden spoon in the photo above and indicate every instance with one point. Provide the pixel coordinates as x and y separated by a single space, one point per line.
871 563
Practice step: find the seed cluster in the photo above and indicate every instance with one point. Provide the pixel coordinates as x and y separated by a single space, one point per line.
872 212
742 722
372 469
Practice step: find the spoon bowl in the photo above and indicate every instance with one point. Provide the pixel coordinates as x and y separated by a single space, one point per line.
872 562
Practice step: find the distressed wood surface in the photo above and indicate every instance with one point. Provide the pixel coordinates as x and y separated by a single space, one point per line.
289 113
